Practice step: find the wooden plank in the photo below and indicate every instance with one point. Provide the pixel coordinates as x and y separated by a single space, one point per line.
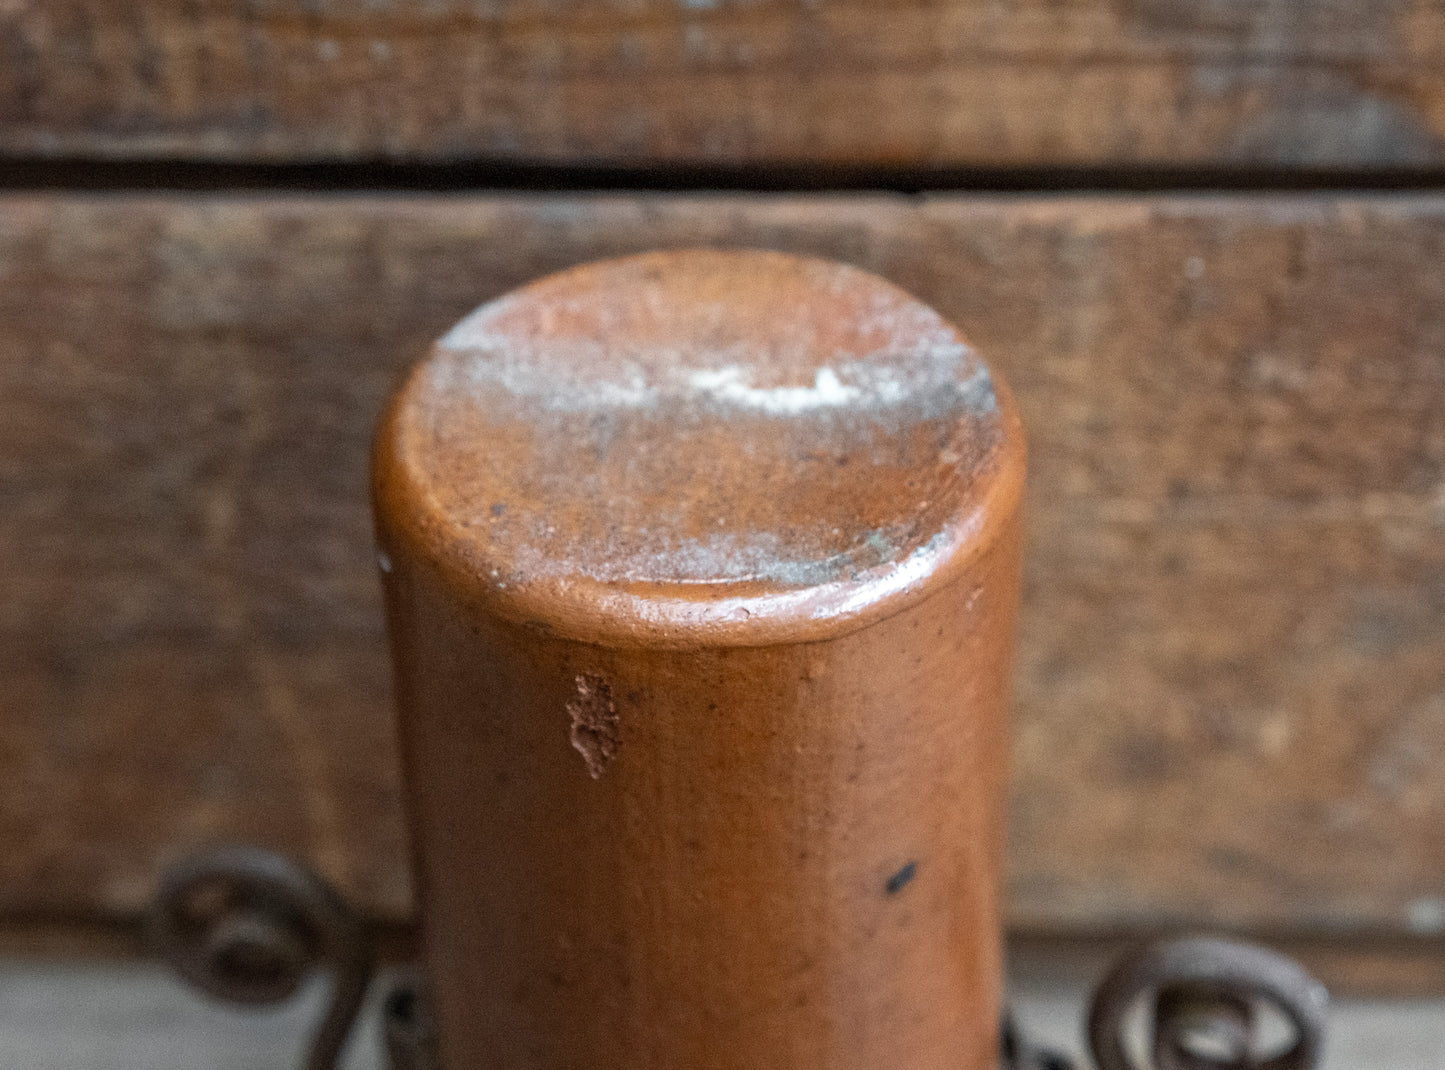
1231 696
911 83
88 1015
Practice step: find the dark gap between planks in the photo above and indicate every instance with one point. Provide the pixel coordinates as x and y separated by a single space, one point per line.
29 174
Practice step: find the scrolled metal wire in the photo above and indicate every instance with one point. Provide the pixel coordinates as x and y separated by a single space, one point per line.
1205 993
247 926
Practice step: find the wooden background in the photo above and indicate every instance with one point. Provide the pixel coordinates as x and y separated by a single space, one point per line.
1231 697
1023 83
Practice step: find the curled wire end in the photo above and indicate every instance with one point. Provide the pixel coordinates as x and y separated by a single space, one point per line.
1206 994
248 926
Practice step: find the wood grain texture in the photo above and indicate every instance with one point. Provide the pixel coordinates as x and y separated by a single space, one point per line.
1231 698
916 83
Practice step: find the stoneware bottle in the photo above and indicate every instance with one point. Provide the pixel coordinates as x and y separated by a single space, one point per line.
701 571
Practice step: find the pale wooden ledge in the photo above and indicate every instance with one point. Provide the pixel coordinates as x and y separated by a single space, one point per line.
89 1015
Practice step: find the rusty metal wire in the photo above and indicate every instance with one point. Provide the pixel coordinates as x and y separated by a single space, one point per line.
248 926
1204 1000
1206 995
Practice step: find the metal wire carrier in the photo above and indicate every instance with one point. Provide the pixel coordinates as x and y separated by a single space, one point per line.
247 926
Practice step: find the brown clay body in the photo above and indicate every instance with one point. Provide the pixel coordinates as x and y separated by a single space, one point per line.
701 573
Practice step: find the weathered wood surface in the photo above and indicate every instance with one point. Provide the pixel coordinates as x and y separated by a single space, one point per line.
1231 700
88 1015
1315 83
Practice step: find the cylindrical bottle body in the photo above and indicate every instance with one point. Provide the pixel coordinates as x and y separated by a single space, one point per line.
701 573
783 856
